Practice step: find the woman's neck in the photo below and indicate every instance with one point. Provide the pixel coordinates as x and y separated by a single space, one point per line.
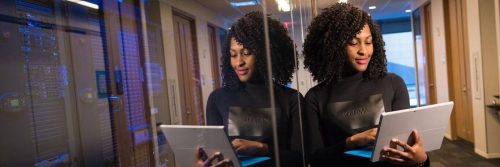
349 71
256 79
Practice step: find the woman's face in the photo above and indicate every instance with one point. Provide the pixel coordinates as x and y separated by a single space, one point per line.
242 61
360 49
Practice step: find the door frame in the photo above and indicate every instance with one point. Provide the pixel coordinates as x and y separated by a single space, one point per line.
183 72
215 54
429 52
458 63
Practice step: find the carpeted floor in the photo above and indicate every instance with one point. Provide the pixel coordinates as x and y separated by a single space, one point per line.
459 153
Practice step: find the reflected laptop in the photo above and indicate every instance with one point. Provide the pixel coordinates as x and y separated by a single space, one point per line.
183 139
430 121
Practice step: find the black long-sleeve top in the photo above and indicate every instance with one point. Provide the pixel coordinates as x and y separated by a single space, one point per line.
336 111
245 113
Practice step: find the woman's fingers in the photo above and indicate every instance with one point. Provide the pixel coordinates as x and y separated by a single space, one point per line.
197 154
405 146
416 136
390 152
395 160
214 156
223 163
237 144
361 139
373 132
219 156
411 155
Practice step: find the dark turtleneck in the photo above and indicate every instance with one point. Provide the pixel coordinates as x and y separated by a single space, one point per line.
338 110
248 108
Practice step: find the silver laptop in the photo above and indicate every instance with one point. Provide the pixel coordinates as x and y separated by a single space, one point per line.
184 139
430 121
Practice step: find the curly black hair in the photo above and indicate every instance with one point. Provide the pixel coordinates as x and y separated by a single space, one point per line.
325 45
249 32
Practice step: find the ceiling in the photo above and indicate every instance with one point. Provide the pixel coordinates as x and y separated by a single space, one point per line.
224 7
385 9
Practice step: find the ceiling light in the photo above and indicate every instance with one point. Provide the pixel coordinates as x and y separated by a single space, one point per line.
372 7
244 3
85 3
283 5
342 1
408 11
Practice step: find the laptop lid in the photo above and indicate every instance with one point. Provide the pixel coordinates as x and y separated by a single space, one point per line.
183 139
431 122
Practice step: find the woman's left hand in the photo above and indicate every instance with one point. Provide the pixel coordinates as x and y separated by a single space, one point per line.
250 147
411 156
215 160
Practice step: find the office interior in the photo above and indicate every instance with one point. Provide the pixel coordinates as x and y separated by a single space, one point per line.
88 82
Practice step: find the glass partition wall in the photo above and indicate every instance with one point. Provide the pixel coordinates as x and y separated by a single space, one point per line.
89 82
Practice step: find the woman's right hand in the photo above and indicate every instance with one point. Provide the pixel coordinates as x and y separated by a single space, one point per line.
221 162
361 139
249 147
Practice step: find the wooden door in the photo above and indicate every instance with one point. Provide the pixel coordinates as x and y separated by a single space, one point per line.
428 49
422 27
215 55
458 76
188 69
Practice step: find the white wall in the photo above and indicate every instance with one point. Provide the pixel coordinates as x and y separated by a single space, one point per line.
439 49
170 66
483 47
475 58
490 75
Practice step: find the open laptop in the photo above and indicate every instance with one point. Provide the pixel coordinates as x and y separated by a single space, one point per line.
184 139
430 121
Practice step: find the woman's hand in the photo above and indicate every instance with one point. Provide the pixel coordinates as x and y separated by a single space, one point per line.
221 162
361 139
249 147
411 156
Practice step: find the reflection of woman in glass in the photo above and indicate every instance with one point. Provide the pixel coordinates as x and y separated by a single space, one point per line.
243 104
344 51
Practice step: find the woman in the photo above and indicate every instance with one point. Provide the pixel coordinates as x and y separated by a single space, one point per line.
345 53
242 105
